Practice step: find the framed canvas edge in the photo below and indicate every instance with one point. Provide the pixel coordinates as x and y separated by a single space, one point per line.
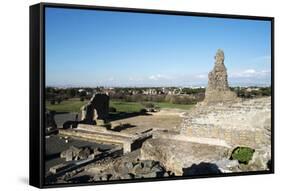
39 166
35 80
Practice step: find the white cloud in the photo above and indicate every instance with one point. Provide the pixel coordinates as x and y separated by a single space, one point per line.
135 79
153 77
158 77
248 73
265 71
262 58
111 79
201 76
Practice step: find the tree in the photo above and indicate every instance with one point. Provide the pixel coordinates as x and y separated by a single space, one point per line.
71 92
59 100
83 94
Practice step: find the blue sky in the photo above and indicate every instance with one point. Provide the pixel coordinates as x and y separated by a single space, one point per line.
103 48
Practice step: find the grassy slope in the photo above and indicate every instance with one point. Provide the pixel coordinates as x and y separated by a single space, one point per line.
75 105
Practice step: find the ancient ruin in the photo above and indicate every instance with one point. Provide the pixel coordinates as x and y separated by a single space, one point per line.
218 89
170 142
208 134
102 135
213 129
96 108
51 126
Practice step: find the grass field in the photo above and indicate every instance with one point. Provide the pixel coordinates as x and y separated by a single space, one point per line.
129 107
171 105
67 106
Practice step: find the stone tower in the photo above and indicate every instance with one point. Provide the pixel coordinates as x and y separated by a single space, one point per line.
218 89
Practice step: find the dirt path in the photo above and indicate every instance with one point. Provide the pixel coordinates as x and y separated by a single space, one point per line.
166 119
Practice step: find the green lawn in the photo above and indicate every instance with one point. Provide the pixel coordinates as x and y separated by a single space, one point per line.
129 107
171 105
67 106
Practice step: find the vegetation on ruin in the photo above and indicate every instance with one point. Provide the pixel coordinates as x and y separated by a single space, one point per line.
242 154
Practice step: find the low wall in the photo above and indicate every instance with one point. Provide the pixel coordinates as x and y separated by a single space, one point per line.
233 137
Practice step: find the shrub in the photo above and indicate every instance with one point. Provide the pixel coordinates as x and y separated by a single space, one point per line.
143 111
83 94
71 92
181 99
52 102
242 154
148 105
59 100
82 98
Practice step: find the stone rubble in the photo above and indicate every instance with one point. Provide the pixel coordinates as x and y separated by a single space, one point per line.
74 153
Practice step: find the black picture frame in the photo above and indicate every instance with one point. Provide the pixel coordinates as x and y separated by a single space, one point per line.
37 93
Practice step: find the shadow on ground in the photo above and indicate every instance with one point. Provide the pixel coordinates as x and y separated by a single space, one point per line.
201 169
61 112
81 179
124 115
123 126
52 156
